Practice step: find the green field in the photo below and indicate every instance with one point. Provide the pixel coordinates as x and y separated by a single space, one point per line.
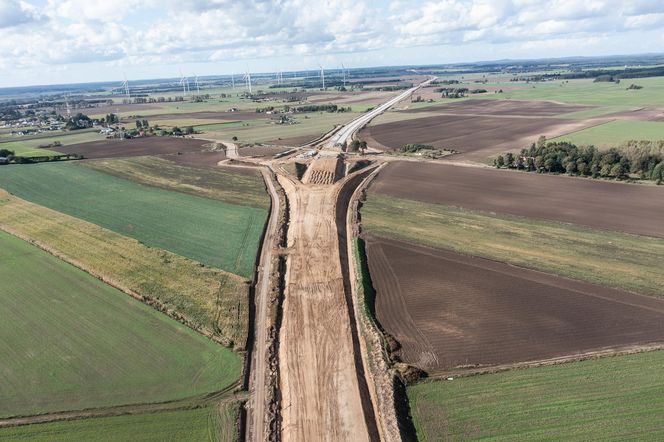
616 132
310 125
222 184
585 92
201 424
615 398
30 146
69 342
615 259
207 297
212 232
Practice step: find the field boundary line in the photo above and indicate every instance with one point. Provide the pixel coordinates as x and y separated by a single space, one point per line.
190 403
584 356
152 302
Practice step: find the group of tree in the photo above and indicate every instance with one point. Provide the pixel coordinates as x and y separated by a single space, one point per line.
641 159
357 146
452 92
321 108
142 125
78 121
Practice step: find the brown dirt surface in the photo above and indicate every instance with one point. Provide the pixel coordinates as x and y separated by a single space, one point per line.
593 203
113 148
449 310
504 107
261 151
324 170
321 392
475 137
197 159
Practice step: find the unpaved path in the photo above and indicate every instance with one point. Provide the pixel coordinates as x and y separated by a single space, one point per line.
321 397
257 381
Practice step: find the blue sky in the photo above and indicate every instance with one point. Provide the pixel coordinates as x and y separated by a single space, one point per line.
68 41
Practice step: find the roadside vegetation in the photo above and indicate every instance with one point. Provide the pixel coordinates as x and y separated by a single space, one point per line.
614 259
616 398
78 343
641 160
205 298
212 232
246 189
199 424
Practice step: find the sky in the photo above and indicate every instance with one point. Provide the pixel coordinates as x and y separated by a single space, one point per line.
72 41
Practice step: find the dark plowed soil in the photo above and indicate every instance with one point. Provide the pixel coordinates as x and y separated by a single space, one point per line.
468 134
504 107
634 209
114 148
448 310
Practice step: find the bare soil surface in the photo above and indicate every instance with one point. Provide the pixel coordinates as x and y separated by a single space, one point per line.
261 151
321 392
504 107
114 148
476 137
449 310
593 203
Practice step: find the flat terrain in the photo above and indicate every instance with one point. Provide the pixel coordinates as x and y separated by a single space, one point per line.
207 298
449 310
594 203
614 132
618 398
197 159
201 424
241 186
72 342
475 128
209 231
113 148
503 108
29 146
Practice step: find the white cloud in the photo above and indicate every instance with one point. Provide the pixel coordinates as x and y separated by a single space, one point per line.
135 32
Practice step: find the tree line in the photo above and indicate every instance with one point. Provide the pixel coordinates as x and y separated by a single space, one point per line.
634 159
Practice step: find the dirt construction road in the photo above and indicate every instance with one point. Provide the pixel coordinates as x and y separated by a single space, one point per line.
321 393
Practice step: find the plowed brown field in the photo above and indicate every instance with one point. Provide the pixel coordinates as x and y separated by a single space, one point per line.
114 148
593 203
478 128
449 310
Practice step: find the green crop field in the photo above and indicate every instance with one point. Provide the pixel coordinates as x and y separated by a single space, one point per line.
615 259
616 132
30 146
309 125
223 184
615 398
201 424
212 232
585 92
68 342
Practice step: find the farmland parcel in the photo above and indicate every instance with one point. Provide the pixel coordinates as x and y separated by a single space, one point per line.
212 232
77 343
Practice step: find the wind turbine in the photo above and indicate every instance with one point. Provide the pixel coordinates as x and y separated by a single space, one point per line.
233 80
247 79
322 75
67 105
198 89
184 82
343 72
125 86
